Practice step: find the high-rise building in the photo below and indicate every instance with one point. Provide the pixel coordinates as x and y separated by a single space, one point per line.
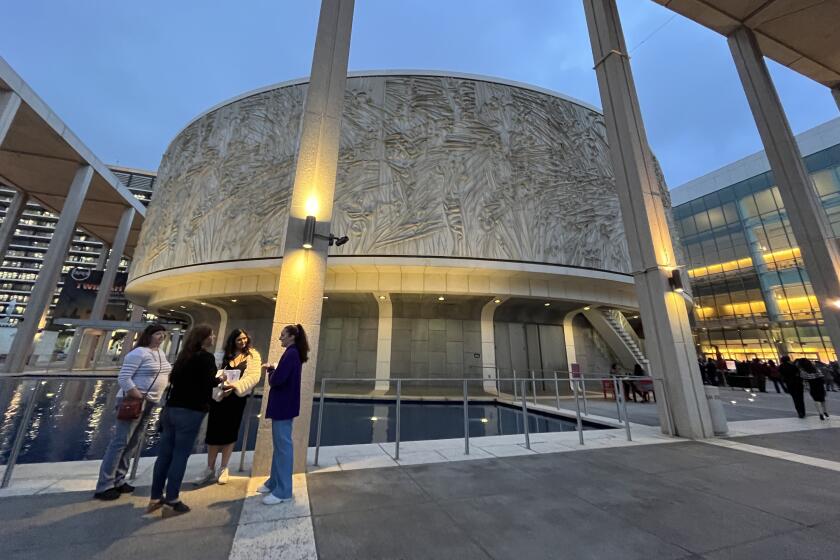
751 290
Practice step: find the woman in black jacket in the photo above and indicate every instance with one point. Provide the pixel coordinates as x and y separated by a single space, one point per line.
191 387
790 376
816 384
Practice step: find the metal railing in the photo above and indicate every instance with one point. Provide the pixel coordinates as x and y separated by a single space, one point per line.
35 391
519 398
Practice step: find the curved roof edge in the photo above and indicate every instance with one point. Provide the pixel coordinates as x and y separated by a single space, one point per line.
377 73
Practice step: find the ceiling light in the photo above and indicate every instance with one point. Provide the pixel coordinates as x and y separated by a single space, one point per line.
381 297
547 304
202 303
497 300
322 297
233 301
374 418
587 308
441 298
484 420
182 306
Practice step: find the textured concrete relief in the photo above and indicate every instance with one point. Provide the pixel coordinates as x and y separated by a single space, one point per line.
428 166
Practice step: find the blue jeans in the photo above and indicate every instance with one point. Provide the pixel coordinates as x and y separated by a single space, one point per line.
121 449
180 428
282 459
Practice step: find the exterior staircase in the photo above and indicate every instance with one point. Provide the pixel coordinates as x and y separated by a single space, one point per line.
626 333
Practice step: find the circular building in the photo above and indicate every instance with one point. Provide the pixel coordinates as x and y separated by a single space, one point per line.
483 220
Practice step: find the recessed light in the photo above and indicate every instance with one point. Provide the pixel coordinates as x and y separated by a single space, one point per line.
274 298
322 297
234 300
381 297
202 303
497 300
374 418
441 298
547 304
172 310
587 308
734 402
182 306
484 420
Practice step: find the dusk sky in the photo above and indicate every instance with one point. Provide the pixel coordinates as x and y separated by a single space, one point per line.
126 77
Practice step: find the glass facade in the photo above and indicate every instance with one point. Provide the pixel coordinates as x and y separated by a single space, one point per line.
751 291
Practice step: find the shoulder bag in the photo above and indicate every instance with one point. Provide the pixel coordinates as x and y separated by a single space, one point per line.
131 408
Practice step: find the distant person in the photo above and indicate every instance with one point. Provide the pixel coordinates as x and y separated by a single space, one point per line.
711 371
283 407
775 376
191 386
828 378
816 384
615 371
226 415
143 375
793 382
759 373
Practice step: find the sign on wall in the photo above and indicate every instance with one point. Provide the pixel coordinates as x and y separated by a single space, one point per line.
79 292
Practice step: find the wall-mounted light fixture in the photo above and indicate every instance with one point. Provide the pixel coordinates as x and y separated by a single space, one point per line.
675 281
309 235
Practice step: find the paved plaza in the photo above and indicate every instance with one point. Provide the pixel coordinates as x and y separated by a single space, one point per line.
771 494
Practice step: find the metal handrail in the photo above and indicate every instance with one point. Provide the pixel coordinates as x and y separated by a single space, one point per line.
577 384
40 383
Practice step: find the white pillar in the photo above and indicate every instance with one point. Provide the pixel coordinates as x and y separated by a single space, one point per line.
13 213
804 210
42 291
9 103
136 317
106 285
488 345
682 405
569 337
383 342
302 276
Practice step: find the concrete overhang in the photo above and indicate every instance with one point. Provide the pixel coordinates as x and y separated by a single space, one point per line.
800 34
40 156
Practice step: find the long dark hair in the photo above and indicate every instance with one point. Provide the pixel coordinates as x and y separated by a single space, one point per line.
806 364
193 343
146 337
230 345
301 342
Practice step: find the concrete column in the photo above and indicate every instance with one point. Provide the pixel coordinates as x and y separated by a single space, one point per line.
173 347
9 103
42 291
136 317
835 92
805 213
383 343
301 288
110 272
488 345
10 222
681 399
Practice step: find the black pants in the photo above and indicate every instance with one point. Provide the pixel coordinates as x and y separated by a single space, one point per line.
776 383
797 393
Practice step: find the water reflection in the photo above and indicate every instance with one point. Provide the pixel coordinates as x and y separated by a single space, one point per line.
73 421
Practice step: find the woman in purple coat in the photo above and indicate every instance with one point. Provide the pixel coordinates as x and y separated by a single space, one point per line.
283 407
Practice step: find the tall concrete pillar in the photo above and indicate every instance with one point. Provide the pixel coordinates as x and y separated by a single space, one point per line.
10 222
488 345
383 342
301 289
9 103
136 317
681 399
110 272
804 210
42 291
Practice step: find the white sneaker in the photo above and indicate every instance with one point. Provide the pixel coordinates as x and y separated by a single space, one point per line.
206 476
263 489
272 500
224 476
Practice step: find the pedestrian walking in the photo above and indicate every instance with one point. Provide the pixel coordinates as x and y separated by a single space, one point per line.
775 376
816 384
793 382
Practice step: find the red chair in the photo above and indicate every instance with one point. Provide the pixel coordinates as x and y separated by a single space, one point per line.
608 387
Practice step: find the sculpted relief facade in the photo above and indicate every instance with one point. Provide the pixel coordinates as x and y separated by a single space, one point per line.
429 166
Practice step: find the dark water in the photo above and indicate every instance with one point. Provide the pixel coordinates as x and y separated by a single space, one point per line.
73 421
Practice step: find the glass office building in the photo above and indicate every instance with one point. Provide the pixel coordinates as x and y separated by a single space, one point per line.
751 291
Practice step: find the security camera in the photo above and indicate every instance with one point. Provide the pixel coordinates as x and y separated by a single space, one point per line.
339 241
